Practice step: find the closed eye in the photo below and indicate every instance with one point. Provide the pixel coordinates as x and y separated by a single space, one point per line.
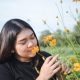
23 42
32 36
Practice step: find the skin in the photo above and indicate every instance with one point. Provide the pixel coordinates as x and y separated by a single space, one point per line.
24 43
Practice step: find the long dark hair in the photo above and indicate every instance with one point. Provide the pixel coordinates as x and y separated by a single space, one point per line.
8 36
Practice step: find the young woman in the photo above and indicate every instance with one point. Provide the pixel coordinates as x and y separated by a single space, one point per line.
17 62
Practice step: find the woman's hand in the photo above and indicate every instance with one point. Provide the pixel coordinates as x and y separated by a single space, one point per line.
50 67
65 69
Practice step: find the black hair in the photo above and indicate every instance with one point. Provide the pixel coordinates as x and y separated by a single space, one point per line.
8 36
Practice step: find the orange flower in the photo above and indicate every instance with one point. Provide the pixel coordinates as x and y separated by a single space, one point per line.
76 67
52 42
47 38
35 50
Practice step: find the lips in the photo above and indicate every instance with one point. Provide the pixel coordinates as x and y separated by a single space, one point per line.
29 50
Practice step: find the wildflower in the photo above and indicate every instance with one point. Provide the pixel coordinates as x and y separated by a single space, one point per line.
76 67
49 40
65 73
46 39
35 50
73 59
49 37
52 42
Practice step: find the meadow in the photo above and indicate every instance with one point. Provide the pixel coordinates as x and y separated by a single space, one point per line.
69 55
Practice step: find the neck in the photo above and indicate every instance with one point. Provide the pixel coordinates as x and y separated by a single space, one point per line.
23 59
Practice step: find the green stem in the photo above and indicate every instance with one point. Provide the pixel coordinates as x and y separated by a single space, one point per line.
71 44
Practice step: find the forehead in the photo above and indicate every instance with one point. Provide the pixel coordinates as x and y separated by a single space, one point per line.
24 34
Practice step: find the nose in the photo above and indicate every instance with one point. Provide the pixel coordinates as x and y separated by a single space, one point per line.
30 44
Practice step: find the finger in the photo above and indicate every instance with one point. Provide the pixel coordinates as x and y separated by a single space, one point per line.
48 59
64 67
56 70
56 65
68 71
53 60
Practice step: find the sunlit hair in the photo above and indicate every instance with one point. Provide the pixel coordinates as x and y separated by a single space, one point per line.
8 36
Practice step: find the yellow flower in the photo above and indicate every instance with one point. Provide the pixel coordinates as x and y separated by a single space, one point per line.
52 42
73 59
76 67
65 73
47 38
35 50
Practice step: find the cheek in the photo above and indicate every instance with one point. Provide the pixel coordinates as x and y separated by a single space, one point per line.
35 42
19 49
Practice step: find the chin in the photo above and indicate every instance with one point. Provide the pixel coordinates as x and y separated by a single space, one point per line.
33 55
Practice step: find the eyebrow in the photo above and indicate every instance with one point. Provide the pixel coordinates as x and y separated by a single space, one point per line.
25 38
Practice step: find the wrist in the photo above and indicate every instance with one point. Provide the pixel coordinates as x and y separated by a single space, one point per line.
41 78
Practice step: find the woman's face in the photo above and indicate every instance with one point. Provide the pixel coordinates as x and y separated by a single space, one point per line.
24 43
